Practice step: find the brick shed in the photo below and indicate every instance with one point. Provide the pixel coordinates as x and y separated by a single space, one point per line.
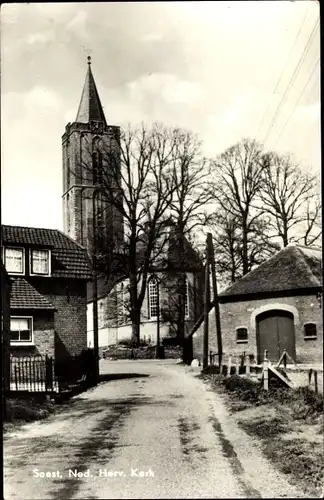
275 306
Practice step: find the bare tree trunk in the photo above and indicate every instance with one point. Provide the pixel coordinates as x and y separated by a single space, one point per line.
136 319
245 256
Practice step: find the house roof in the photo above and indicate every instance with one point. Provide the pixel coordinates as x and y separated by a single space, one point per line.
292 268
90 108
69 259
25 296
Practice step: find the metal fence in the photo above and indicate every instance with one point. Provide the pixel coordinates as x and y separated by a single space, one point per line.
33 374
44 374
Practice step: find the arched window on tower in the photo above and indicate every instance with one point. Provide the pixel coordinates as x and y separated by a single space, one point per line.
97 165
68 213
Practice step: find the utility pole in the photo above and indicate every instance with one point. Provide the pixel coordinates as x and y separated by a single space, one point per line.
157 317
216 303
206 309
95 285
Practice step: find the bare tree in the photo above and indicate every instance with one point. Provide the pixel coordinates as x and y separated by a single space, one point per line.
188 210
290 199
238 177
227 237
135 182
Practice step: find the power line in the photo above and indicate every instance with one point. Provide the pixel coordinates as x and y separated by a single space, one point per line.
283 69
292 79
298 100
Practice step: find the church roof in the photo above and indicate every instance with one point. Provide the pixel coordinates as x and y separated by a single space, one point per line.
90 108
292 268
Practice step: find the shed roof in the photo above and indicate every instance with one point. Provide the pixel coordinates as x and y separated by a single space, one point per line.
25 296
292 268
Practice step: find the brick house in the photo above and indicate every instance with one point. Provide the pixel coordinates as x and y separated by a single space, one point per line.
5 325
113 298
274 307
48 273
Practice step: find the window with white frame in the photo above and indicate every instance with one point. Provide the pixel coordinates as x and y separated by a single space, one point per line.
186 297
40 262
21 330
14 260
153 298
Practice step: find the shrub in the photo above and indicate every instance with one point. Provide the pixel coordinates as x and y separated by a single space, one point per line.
126 342
170 341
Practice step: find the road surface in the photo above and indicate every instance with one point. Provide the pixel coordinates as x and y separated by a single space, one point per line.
155 431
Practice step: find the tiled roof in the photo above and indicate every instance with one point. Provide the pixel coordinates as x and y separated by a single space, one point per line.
25 296
69 259
292 268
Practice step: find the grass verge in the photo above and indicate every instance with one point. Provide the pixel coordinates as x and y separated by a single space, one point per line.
288 423
21 411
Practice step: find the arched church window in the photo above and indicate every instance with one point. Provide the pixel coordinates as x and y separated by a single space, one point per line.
153 298
186 297
97 165
68 212
68 171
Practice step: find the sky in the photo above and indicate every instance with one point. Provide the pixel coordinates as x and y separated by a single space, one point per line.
225 70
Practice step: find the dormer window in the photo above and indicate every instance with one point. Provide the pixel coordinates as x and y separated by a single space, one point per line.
14 260
40 262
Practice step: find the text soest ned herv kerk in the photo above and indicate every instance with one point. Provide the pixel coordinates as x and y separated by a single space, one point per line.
88 473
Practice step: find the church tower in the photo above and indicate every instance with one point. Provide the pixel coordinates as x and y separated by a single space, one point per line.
88 145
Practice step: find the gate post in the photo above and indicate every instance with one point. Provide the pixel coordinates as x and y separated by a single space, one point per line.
265 375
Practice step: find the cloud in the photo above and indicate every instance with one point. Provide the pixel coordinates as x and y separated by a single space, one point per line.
151 37
41 97
79 23
41 37
166 87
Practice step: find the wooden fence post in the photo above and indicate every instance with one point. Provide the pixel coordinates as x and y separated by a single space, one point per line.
247 366
237 365
229 365
265 375
16 376
285 358
310 376
315 381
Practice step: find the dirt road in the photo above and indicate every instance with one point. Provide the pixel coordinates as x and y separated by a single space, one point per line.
156 431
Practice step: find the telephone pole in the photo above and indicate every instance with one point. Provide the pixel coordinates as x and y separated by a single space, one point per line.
206 309
216 303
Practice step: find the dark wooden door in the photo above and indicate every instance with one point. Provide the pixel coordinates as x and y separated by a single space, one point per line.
275 332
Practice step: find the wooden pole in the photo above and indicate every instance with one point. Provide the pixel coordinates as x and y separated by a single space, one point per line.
315 381
247 366
265 375
229 365
237 365
206 310
95 285
216 303
157 281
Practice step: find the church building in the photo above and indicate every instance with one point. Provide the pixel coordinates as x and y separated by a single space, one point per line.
86 144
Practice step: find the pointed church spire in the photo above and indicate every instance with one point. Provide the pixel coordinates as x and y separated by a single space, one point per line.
90 108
